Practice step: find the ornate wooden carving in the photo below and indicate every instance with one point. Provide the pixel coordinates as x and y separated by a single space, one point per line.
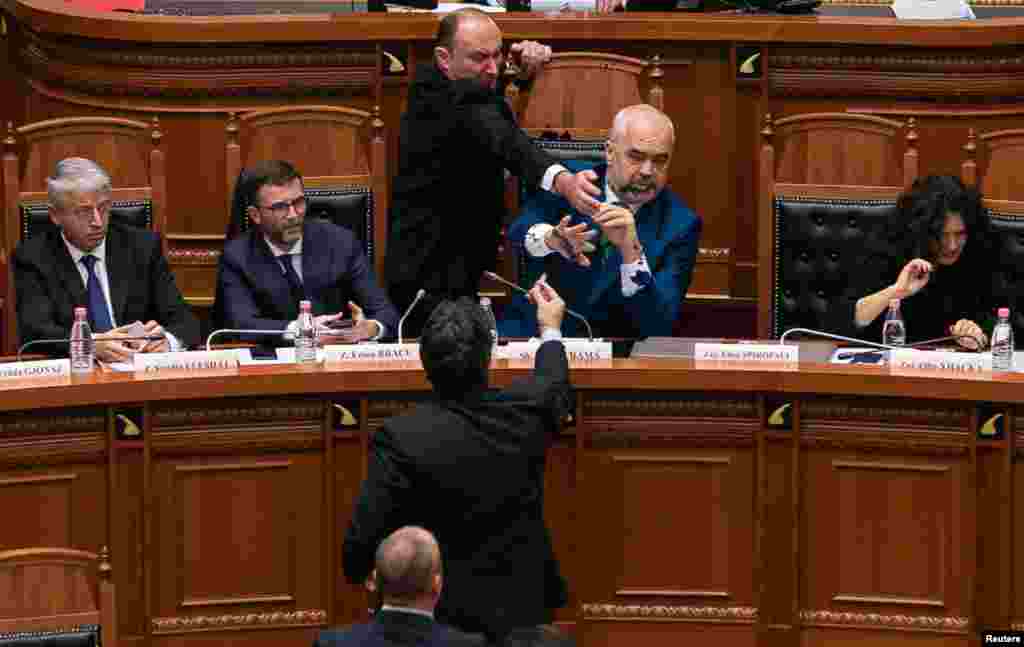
270 620
869 72
890 414
921 444
215 413
614 405
940 624
665 613
194 256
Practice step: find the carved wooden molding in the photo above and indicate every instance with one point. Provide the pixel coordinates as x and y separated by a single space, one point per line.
714 254
215 413
827 618
192 256
388 408
54 423
271 620
62 450
906 442
599 406
288 437
953 418
663 613
141 69
896 74
637 433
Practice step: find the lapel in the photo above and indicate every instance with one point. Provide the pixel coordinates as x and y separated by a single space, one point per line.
119 269
313 257
267 273
67 272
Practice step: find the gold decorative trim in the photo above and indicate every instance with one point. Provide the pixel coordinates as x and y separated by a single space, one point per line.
847 411
271 620
214 413
665 613
628 405
190 256
936 624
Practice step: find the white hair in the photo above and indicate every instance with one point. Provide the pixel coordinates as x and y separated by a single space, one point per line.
75 175
626 116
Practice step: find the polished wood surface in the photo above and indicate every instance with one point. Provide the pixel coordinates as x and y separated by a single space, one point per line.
750 504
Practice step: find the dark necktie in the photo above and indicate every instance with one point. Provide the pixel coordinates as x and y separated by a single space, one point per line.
290 275
99 311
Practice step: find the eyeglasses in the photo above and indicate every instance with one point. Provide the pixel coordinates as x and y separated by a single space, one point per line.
86 212
280 209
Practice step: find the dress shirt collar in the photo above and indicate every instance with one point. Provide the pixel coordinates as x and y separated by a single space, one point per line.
420 612
296 248
100 251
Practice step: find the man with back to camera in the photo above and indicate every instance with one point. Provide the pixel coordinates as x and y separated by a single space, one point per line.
285 258
627 267
118 272
469 466
408 577
457 137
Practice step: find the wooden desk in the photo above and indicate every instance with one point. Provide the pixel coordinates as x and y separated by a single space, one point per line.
679 511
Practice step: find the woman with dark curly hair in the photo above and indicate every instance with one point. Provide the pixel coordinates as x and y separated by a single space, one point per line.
943 269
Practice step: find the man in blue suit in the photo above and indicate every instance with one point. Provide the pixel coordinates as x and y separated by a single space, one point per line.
407 576
627 268
284 259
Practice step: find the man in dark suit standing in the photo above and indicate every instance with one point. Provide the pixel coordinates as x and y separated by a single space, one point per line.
408 579
119 272
469 467
284 259
457 138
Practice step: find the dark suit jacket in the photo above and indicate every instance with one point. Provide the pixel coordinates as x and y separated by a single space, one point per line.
395 629
141 287
254 292
447 202
471 471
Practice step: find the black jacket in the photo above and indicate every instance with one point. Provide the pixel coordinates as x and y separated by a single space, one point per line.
472 472
397 629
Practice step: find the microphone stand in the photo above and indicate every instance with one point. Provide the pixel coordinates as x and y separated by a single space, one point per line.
507 283
67 340
241 331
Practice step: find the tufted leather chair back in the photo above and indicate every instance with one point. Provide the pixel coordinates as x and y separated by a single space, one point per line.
1007 227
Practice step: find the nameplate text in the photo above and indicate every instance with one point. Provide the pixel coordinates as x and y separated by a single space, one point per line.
41 368
937 360
703 351
192 361
576 350
372 353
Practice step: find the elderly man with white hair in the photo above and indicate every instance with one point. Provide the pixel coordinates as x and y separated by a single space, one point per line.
627 267
117 272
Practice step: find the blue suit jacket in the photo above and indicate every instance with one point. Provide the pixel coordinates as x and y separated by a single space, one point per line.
669 232
253 292
397 628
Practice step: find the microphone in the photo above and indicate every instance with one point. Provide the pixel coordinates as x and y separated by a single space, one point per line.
495 277
861 342
241 331
67 340
419 295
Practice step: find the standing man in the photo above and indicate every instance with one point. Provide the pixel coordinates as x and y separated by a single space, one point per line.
457 138
117 271
284 259
407 576
469 467
627 267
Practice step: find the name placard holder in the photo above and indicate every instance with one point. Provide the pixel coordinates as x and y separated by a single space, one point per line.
577 350
910 359
708 352
342 353
46 368
188 361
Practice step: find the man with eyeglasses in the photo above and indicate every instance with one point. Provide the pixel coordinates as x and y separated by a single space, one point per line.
118 272
285 258
627 267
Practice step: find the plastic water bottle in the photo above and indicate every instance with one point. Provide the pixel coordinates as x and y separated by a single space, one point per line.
894 333
305 335
1002 342
82 349
492 323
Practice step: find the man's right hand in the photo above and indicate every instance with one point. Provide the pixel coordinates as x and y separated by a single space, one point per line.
550 306
571 241
579 189
111 347
912 278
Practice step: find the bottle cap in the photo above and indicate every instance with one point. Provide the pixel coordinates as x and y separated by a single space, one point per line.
1004 312
485 301
305 305
80 312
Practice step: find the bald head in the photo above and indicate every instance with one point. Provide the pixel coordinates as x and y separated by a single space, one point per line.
468 46
408 566
642 116
639 151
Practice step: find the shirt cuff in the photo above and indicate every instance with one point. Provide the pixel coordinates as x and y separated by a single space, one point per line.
173 343
635 276
535 236
548 181
289 332
380 330
550 333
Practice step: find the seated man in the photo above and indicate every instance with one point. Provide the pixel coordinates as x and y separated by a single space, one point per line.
284 259
407 577
629 282
469 466
119 272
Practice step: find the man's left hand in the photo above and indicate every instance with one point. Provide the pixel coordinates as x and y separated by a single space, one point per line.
362 329
161 345
531 56
608 6
619 226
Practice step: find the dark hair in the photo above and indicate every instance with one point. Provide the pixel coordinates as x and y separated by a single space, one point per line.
923 212
406 562
449 26
247 189
455 347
